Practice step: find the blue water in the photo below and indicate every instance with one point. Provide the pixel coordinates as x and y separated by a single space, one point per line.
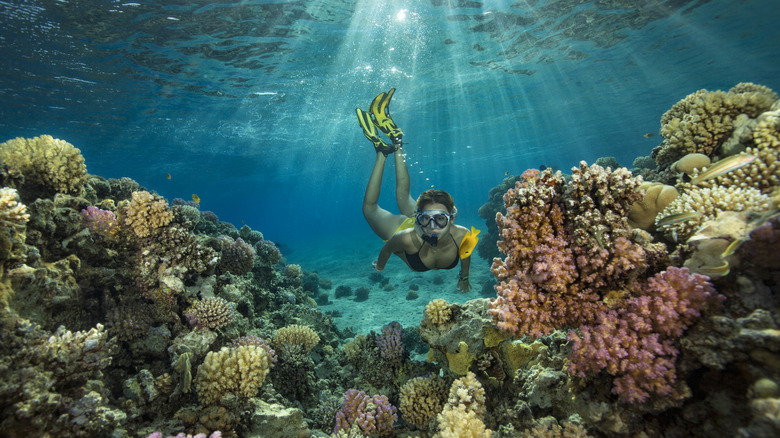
250 105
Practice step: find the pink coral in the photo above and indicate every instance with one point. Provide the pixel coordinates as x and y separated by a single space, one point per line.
636 342
373 415
102 222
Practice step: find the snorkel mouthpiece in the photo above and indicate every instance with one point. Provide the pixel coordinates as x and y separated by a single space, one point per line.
432 239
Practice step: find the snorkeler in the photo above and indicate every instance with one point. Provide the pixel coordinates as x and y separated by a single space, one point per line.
424 235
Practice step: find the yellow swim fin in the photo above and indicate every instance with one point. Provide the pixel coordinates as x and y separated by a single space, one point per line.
380 114
369 130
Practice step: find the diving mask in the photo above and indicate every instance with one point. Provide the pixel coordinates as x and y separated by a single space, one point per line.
433 218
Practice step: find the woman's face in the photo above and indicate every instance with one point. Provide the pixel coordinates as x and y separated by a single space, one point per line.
434 219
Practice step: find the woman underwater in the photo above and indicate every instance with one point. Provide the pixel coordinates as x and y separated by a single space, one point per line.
424 235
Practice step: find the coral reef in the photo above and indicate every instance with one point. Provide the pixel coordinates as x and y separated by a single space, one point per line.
238 257
374 416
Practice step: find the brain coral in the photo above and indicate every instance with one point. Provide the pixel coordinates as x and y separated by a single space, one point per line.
240 371
704 120
146 213
705 203
46 162
422 399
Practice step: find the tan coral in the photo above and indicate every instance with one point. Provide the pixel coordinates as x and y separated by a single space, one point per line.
47 162
657 196
146 213
708 202
240 371
462 416
293 335
704 120
763 173
690 162
438 311
12 211
422 399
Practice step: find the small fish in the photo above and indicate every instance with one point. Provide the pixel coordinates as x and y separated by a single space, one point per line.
167 176
732 248
506 173
723 166
649 135
468 243
196 198
719 271
677 218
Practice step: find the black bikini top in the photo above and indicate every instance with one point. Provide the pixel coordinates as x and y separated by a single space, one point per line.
417 265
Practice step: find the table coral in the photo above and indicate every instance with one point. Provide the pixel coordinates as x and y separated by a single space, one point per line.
49 163
374 416
636 343
240 371
703 120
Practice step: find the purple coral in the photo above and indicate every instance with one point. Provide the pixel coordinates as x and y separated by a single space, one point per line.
374 416
636 342
391 343
102 222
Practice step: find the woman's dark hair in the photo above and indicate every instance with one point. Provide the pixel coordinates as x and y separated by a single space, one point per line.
436 196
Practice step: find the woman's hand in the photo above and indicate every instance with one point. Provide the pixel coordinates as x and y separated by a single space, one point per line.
464 285
375 265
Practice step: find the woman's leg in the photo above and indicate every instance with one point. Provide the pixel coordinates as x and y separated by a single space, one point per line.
380 220
406 204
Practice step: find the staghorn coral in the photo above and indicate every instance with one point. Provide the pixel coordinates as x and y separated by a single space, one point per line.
706 203
438 311
704 120
295 335
239 371
211 312
238 257
422 399
636 343
50 164
374 416
462 416
146 214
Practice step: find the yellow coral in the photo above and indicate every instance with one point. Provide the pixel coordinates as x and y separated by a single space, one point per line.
146 213
295 334
462 415
47 162
422 399
354 348
763 173
240 371
460 361
703 120
657 196
438 311
707 203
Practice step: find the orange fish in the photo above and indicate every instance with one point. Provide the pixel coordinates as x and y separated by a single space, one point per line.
468 243
196 198
167 176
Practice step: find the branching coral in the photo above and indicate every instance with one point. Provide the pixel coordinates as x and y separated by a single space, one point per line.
636 343
146 213
462 416
705 203
374 416
12 211
46 162
422 399
703 120
211 312
391 342
295 335
238 257
240 371
438 311
101 222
